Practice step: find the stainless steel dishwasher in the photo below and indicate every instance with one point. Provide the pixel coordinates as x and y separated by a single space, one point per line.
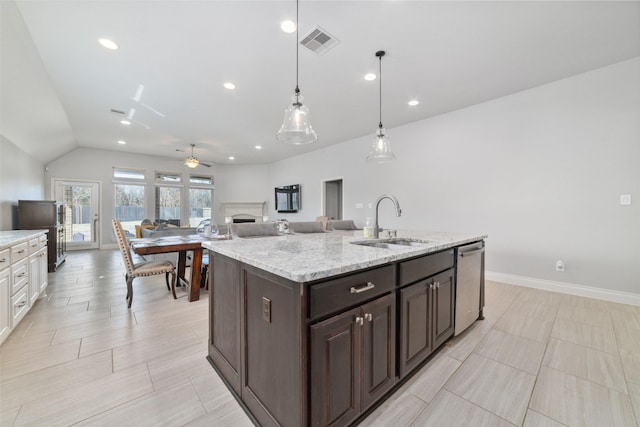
469 285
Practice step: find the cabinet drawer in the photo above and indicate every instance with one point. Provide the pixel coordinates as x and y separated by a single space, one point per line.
337 294
419 268
34 245
5 258
19 252
19 305
19 275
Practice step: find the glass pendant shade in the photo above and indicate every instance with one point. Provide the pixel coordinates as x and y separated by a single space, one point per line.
380 151
296 127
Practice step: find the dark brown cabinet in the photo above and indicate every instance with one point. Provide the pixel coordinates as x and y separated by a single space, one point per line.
45 215
352 361
426 311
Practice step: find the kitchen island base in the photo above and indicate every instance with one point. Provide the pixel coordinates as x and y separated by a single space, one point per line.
326 351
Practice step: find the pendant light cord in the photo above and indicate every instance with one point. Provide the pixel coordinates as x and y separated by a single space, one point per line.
297 47
380 92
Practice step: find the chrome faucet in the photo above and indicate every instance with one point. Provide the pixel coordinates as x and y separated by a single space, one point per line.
396 204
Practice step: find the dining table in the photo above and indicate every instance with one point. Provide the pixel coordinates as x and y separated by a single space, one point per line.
182 245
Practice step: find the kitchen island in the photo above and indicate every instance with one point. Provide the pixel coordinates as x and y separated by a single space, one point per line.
316 329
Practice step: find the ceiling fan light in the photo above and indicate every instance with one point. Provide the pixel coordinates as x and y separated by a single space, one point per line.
296 127
191 162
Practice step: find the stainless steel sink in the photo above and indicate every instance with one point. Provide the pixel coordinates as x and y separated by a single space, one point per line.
395 243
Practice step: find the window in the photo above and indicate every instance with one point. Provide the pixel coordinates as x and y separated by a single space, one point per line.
199 205
128 174
168 177
129 205
200 198
168 203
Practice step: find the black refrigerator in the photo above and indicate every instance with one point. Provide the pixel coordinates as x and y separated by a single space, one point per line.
45 215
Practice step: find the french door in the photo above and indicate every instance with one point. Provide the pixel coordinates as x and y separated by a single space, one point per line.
82 212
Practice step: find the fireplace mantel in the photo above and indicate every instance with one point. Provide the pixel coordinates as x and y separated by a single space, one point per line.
244 209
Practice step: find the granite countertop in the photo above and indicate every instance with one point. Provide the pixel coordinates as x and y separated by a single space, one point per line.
309 257
13 237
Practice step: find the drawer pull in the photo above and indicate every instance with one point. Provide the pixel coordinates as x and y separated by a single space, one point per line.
368 317
22 251
359 321
3 260
21 275
364 288
21 304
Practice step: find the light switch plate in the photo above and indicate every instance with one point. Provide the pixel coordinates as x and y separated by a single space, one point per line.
625 199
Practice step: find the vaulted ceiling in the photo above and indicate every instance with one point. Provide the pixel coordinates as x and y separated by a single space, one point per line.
59 85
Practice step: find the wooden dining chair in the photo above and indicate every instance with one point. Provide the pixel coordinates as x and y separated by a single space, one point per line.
148 268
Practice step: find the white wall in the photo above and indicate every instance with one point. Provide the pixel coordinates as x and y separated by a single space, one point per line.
232 183
540 171
21 178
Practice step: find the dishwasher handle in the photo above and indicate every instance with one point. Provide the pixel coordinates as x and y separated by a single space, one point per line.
469 253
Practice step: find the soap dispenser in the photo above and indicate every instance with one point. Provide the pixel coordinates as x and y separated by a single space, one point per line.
368 228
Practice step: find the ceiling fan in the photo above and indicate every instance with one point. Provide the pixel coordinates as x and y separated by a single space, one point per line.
192 161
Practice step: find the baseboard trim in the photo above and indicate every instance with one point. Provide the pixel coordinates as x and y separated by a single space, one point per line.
565 288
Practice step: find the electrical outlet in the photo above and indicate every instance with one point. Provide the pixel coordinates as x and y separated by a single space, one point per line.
625 199
560 265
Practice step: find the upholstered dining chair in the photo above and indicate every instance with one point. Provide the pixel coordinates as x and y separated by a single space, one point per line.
148 268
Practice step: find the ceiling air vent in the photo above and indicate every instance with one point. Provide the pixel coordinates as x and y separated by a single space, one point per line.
319 41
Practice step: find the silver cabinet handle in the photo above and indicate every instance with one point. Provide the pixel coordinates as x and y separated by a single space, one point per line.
3 260
22 251
368 317
437 285
367 287
359 321
21 304
430 285
21 274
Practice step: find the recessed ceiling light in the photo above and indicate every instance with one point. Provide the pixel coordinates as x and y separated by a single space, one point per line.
231 158
258 147
125 122
413 102
288 26
370 76
121 142
109 44
229 86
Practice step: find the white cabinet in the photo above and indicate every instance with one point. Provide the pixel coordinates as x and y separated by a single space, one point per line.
37 268
23 275
5 319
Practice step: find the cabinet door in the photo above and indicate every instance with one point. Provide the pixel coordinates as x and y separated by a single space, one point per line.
443 314
335 368
5 305
415 325
34 278
44 276
378 348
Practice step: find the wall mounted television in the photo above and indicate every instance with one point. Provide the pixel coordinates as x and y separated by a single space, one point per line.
288 198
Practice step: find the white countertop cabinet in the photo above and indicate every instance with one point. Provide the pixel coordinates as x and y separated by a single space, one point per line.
23 275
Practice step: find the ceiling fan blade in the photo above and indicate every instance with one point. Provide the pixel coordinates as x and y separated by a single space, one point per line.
205 164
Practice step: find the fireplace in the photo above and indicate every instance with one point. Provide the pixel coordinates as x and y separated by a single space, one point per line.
241 212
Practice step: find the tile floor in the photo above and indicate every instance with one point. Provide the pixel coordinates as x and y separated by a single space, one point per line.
80 357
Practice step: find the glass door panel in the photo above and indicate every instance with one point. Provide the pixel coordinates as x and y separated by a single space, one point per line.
81 206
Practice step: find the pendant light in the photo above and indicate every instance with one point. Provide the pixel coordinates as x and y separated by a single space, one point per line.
296 127
380 151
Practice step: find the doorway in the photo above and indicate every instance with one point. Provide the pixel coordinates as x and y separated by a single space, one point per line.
82 212
332 196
